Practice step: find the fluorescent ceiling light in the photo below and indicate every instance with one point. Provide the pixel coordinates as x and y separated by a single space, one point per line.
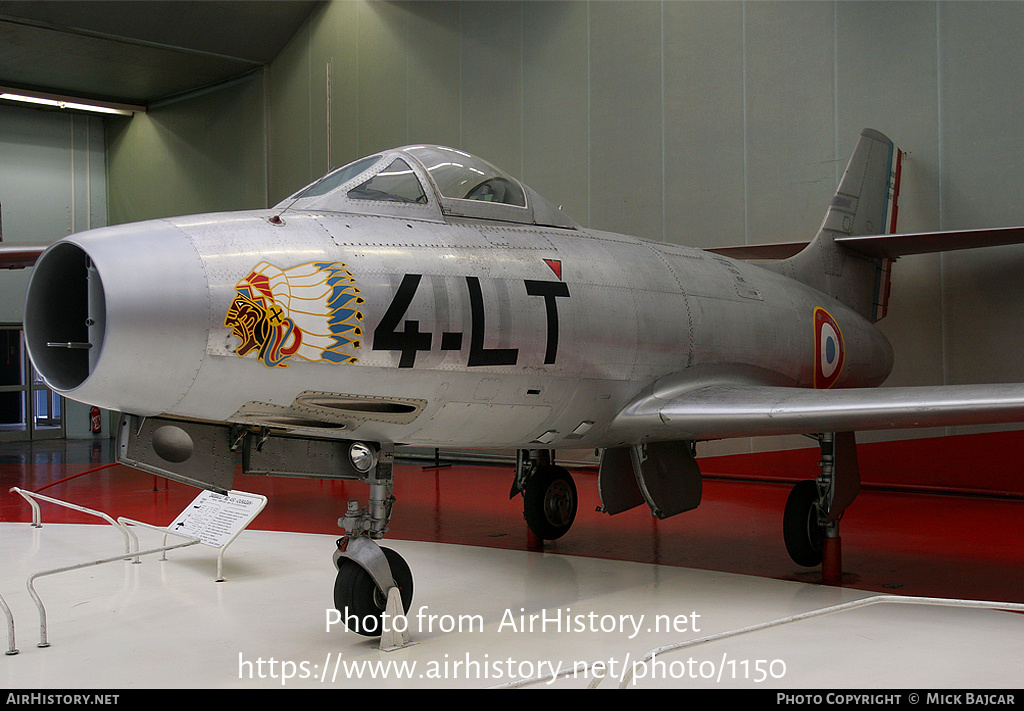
67 103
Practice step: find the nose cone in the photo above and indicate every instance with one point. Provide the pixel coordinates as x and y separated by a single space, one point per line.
118 317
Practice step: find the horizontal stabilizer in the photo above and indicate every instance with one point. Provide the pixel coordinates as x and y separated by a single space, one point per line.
893 246
888 246
736 410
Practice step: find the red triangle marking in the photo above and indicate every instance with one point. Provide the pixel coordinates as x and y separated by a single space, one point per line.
556 266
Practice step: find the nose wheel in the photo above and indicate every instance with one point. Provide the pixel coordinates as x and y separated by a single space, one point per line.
362 601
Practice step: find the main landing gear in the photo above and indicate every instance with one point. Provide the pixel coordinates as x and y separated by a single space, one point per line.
810 523
374 584
549 494
802 528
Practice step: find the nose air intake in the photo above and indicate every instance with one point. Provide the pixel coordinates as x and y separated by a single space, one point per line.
64 316
119 317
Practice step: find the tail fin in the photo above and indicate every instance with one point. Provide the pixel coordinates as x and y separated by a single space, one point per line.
864 204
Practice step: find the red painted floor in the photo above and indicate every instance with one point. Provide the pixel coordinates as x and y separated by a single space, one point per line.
905 543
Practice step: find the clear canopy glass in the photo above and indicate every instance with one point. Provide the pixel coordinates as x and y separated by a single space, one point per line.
461 176
428 182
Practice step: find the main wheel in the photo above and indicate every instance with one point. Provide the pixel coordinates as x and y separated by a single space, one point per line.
803 535
549 502
359 600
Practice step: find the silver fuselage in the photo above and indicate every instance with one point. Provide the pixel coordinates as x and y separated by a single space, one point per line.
494 335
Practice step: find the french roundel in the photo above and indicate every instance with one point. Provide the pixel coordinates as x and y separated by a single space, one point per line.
829 351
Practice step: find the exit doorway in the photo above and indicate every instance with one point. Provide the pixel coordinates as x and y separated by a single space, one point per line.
29 410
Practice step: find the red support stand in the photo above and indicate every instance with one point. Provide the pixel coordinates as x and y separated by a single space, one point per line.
533 541
832 561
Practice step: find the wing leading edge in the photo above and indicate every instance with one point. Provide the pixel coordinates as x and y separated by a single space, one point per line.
19 256
719 411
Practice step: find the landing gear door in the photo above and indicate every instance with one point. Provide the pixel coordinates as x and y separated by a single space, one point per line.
668 476
616 483
662 474
192 453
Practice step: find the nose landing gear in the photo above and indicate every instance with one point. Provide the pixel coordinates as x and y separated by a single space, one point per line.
374 585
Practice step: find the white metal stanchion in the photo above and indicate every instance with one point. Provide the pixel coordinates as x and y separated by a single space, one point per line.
11 648
212 519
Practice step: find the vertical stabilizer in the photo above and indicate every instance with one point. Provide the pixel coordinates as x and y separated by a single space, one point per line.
864 204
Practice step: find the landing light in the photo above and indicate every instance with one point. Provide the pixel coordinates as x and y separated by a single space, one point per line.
362 457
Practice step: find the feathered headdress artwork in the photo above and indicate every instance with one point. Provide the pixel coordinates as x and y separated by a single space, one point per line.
310 311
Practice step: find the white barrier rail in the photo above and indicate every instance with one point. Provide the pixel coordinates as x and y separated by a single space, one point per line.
33 499
37 520
39 603
211 519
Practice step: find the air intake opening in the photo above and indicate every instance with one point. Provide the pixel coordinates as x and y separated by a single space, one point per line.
380 407
64 316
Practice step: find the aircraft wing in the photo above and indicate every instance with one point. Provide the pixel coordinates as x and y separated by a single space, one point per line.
718 411
19 256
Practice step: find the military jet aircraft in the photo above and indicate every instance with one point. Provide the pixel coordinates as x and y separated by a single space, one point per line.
421 296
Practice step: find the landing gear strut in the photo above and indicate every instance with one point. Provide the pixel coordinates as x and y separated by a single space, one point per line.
374 584
810 524
549 494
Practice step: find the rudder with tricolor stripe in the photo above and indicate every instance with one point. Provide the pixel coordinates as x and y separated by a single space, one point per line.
866 203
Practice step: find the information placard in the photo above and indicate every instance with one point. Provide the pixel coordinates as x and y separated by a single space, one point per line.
216 518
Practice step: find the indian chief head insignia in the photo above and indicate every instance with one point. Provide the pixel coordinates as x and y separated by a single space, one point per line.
310 311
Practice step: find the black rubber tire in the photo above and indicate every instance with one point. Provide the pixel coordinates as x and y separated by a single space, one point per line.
359 600
549 502
803 535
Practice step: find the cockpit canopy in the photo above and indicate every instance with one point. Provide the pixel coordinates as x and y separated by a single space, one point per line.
427 182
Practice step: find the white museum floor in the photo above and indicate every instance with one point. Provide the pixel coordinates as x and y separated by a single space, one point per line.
168 624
